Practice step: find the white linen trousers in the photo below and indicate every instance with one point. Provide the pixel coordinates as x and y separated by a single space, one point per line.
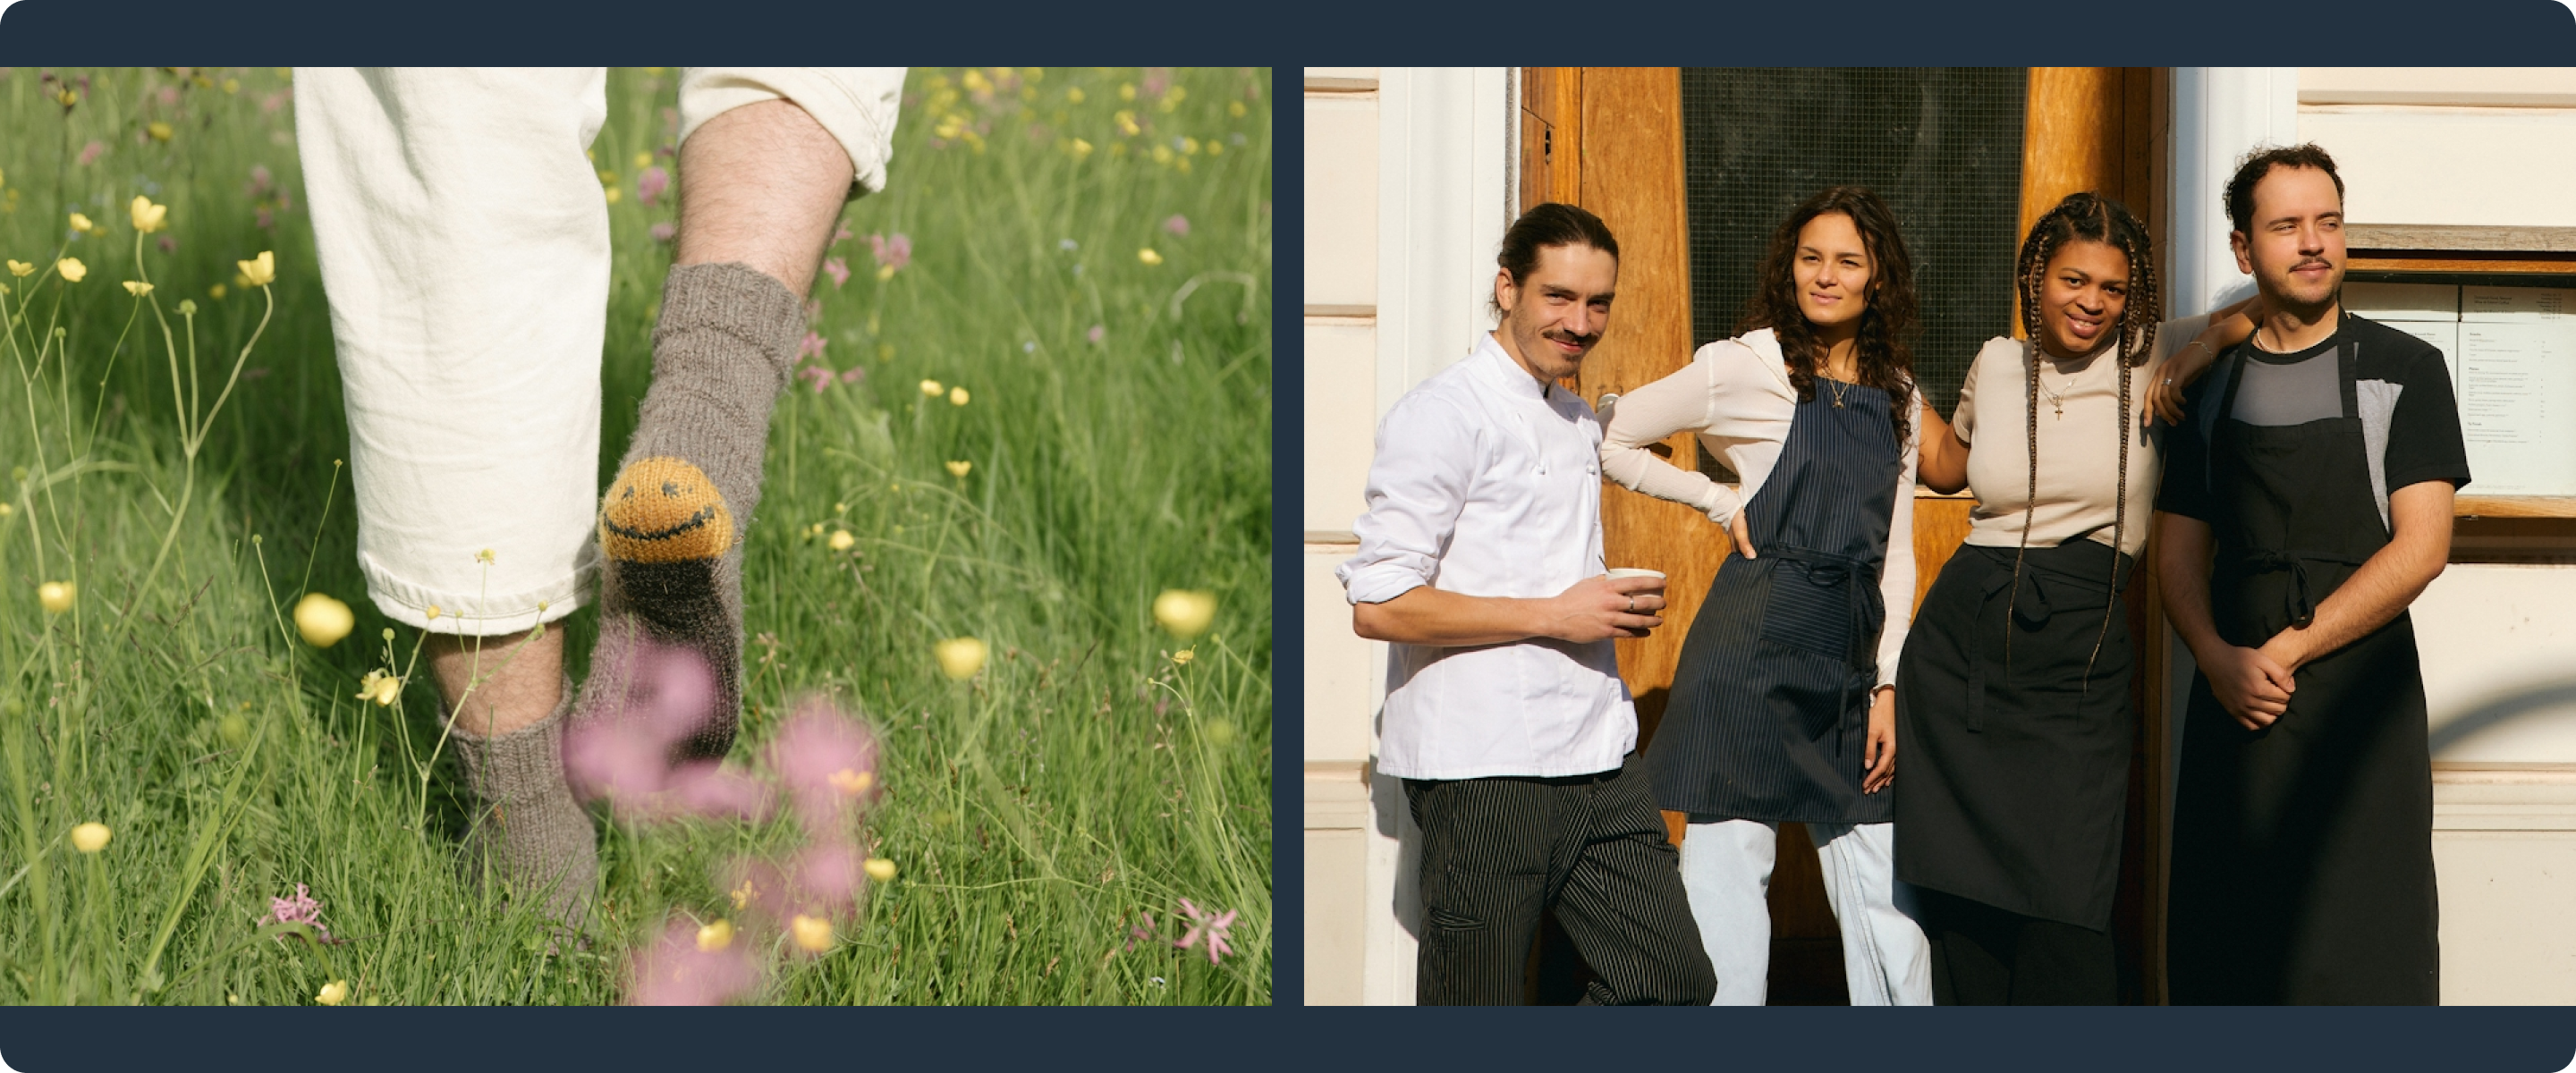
1726 871
463 241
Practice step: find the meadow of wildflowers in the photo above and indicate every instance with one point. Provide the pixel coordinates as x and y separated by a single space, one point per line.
1007 728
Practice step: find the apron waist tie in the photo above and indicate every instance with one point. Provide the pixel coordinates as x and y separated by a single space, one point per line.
2030 604
1866 606
2301 602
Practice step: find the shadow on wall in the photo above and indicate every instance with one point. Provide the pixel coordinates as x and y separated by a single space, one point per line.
2500 711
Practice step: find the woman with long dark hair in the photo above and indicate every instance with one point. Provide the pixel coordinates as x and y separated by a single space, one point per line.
2013 695
1781 708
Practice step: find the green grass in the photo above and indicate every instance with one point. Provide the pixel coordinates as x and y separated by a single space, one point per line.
1036 811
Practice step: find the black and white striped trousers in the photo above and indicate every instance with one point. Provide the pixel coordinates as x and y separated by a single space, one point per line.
1498 853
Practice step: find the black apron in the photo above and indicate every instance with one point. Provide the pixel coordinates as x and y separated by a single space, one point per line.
1769 717
2302 852
2016 735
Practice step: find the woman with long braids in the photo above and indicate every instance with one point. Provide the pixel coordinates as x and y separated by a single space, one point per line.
2013 695
1781 707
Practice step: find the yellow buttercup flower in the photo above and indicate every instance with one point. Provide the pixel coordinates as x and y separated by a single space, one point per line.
932 388
1127 123
1148 256
433 612
960 657
81 223
880 869
715 936
1183 657
812 933
21 269
841 540
56 596
148 217
852 783
216 292
160 131
743 895
1185 612
380 687
260 270
613 194
333 993
90 837
959 468
885 271
1080 148
957 396
643 160
322 620
1073 96
71 269
1235 109
137 289
484 556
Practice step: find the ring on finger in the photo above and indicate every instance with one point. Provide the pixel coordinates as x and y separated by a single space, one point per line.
1632 605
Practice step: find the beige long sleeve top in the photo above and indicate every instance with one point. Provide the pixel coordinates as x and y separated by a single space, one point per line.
2079 449
1735 394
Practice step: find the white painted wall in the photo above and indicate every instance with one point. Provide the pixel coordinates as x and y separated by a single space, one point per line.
1408 190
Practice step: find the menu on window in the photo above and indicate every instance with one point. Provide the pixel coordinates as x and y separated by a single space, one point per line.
2427 311
2518 405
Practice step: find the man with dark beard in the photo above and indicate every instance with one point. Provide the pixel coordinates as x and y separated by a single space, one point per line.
1480 559
2307 502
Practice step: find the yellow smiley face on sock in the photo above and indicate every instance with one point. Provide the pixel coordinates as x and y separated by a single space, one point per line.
663 510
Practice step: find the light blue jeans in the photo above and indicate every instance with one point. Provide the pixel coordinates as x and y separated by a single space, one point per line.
1726 870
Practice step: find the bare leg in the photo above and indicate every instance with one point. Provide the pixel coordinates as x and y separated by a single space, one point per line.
522 680
762 185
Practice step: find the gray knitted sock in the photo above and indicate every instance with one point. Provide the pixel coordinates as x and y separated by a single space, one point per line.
528 829
670 525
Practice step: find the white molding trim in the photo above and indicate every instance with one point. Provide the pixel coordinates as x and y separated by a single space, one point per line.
1442 136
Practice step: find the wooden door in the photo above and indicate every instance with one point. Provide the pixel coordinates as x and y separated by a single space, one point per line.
1610 140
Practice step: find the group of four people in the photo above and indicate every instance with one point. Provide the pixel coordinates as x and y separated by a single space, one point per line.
2296 465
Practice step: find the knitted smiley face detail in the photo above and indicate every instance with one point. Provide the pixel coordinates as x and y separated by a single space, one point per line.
663 510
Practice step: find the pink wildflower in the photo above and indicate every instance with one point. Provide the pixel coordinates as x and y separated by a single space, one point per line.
89 153
1141 933
263 219
260 181
664 231
300 909
827 759
625 755
840 233
674 972
1178 225
854 374
838 269
169 95
892 253
649 186
819 375
1097 333
825 879
1214 927
1157 80
811 347
274 101
670 120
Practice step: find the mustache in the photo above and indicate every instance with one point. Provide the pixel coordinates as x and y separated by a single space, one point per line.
1563 336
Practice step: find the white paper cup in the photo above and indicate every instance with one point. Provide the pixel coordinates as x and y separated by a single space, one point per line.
1631 571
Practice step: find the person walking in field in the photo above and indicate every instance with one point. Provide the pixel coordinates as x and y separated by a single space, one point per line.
464 249
1480 560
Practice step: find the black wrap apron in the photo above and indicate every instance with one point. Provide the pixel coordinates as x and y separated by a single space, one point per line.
2302 852
1769 717
2016 733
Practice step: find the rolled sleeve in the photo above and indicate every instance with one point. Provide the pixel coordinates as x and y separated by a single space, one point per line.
1416 487
856 105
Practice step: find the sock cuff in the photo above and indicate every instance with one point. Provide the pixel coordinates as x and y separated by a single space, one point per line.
523 764
737 300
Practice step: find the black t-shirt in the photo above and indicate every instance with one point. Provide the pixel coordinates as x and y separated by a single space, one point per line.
2402 388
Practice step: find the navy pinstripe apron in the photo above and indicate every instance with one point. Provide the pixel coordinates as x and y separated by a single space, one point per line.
1769 717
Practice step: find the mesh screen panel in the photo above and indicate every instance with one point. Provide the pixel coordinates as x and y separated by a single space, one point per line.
1942 146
